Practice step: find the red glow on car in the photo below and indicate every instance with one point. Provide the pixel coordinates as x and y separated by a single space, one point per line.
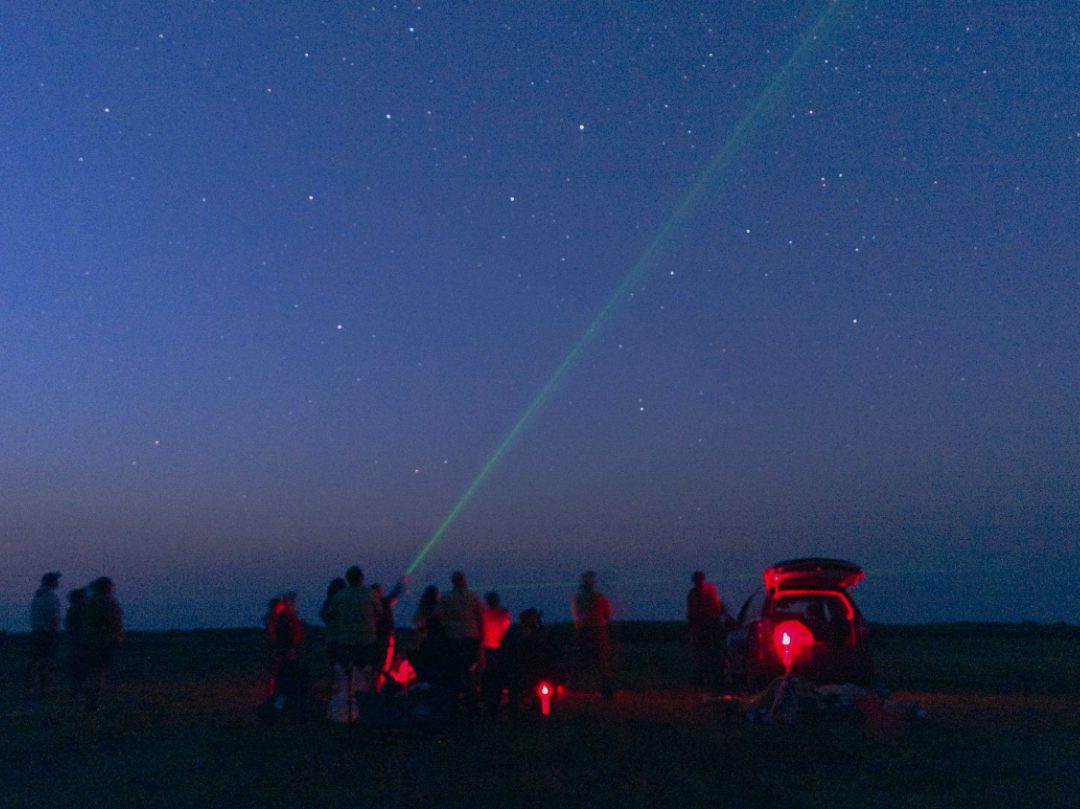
813 574
544 692
790 639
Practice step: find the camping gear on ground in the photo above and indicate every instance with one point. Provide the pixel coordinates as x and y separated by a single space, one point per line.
794 700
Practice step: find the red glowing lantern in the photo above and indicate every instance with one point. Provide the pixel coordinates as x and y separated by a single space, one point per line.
402 673
543 690
790 639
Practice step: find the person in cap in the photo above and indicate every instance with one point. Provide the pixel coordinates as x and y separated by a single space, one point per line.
44 635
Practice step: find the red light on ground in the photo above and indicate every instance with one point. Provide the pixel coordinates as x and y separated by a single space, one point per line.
402 673
544 692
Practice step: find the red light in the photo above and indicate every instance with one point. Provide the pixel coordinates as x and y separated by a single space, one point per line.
544 692
790 638
402 673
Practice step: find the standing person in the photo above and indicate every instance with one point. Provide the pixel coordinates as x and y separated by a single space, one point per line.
270 623
462 616
384 626
288 680
74 627
103 634
495 622
429 600
592 616
329 615
435 664
341 703
287 634
44 635
706 619
358 613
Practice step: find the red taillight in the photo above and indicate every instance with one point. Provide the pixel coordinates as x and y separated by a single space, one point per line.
543 690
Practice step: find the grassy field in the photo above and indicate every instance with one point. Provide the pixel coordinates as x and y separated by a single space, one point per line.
177 728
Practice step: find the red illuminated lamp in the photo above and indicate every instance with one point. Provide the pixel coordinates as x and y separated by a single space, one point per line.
543 690
791 639
402 673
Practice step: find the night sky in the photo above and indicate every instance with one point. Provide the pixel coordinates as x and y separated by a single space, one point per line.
276 280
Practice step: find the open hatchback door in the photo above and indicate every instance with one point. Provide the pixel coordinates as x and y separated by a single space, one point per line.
811 574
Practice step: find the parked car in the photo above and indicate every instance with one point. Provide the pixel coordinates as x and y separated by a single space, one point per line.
802 621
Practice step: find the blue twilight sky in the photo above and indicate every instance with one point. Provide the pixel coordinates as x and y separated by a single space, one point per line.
277 279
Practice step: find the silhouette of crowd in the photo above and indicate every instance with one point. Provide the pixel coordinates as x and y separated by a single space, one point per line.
94 627
464 655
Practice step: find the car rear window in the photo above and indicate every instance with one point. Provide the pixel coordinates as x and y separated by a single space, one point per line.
824 614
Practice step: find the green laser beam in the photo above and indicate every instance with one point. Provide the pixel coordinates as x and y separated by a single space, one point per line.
679 217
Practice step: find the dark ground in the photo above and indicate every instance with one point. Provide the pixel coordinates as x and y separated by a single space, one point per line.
177 728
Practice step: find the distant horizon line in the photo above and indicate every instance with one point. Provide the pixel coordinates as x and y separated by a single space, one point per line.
989 624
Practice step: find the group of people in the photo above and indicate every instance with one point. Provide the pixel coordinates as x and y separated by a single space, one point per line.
477 655
466 648
94 629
